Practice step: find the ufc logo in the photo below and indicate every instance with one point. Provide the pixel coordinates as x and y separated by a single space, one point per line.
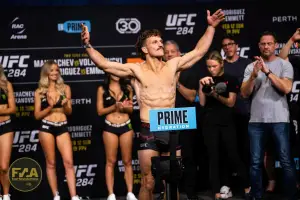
179 19
10 61
85 169
45 127
20 136
296 126
295 88
242 51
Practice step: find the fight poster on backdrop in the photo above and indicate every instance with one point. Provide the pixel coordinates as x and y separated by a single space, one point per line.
237 24
25 65
29 37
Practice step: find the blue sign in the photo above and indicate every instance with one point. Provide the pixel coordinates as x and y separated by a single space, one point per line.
170 119
73 26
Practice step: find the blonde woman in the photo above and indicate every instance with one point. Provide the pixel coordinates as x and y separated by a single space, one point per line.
7 107
217 96
51 105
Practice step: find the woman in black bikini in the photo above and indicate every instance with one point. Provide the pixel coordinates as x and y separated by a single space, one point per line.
114 100
52 102
7 107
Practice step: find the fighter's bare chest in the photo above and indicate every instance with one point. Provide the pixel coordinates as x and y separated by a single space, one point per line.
157 80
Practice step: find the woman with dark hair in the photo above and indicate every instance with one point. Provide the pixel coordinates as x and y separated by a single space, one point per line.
52 102
7 108
114 100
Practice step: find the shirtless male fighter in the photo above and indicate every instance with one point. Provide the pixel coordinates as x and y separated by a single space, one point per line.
154 82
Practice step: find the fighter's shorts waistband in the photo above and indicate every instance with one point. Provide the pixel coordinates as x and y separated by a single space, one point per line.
145 125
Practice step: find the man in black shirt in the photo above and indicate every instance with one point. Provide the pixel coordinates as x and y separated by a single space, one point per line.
234 65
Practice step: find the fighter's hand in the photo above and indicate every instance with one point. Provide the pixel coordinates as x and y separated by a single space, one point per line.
216 18
206 81
85 35
296 36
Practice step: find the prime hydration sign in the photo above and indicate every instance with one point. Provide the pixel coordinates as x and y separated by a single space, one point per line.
173 119
74 26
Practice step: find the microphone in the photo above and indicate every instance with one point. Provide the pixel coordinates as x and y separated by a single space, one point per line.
220 87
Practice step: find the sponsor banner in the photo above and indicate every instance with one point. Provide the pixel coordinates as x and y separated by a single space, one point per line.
74 64
73 26
172 119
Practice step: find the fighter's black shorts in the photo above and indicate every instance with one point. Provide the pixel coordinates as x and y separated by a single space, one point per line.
55 128
117 129
157 141
5 127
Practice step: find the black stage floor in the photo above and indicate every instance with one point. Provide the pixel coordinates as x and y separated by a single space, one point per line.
207 196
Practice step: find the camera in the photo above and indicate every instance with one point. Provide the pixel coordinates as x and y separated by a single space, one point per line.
219 88
208 88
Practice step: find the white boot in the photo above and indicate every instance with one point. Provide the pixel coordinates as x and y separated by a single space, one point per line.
6 197
225 192
130 196
111 197
76 198
56 197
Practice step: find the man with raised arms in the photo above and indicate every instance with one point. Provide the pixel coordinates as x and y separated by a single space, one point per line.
154 82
